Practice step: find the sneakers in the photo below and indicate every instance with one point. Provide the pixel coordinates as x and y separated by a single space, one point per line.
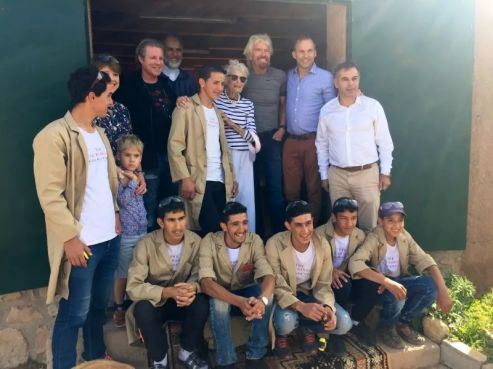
336 345
390 337
364 334
282 349
309 343
255 364
409 334
194 362
119 318
158 366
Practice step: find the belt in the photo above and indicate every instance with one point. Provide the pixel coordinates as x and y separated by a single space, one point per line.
357 168
304 136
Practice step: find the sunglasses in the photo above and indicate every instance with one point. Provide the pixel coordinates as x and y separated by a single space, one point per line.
99 77
234 77
396 205
105 58
169 200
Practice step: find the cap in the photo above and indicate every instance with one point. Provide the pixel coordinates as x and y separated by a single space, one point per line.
389 208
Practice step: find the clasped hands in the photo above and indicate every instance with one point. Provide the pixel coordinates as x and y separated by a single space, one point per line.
252 308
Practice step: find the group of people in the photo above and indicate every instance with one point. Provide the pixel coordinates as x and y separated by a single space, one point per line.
206 149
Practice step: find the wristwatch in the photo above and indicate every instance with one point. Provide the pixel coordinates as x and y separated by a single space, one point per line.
264 300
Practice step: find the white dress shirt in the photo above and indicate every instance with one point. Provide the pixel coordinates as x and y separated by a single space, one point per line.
353 136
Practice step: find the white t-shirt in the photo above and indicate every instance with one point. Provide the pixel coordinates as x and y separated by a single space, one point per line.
390 265
98 212
233 256
213 146
174 252
304 264
342 245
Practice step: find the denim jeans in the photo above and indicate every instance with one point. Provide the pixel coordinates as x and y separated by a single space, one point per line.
220 316
421 293
89 291
287 320
127 246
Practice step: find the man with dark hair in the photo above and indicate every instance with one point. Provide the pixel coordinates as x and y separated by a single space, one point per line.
302 264
150 102
162 280
344 238
199 156
232 263
354 147
180 81
76 182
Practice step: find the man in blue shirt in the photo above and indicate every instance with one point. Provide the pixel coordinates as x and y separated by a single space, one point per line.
308 89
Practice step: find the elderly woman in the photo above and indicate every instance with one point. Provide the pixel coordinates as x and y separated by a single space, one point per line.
238 115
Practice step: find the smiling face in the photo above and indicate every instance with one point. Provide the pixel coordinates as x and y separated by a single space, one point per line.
114 76
304 53
173 52
345 222
235 230
392 226
213 87
260 56
173 225
152 62
301 228
235 87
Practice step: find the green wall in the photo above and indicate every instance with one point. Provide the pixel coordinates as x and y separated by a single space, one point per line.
42 41
416 58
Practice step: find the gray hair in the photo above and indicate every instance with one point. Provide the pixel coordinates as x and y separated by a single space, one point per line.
140 50
233 65
253 40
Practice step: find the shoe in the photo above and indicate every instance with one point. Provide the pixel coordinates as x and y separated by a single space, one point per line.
119 318
158 366
282 349
255 364
409 335
194 362
390 337
336 345
364 334
309 343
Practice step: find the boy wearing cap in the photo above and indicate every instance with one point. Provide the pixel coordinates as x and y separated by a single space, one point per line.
232 263
344 238
302 264
384 258
162 280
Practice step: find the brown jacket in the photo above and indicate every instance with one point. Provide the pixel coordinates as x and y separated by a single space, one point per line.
214 261
373 250
279 251
60 168
188 157
150 271
356 238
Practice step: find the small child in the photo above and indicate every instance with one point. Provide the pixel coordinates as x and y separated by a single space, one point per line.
132 215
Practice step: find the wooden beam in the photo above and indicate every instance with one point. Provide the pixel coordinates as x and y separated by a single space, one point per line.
336 34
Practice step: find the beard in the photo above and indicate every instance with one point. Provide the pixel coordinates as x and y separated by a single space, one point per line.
173 64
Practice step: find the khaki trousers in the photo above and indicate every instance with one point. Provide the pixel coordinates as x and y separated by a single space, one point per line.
361 186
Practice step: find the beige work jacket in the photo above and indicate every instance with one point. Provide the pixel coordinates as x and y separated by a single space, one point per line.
280 255
188 157
60 169
252 264
373 250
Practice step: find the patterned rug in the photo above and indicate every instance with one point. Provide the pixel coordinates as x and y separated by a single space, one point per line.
358 356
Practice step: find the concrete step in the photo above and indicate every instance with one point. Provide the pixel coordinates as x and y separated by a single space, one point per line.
414 357
118 348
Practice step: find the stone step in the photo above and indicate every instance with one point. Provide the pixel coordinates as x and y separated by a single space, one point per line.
118 348
414 357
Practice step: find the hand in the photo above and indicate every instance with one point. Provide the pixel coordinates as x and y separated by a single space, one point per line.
325 185
182 101
396 289
279 134
74 252
130 175
312 311
258 309
339 277
118 223
246 308
329 319
384 182
235 189
444 302
188 188
141 184
185 293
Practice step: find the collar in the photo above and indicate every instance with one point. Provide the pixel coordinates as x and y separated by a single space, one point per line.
171 73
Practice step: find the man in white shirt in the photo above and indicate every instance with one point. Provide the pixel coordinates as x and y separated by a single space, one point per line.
354 147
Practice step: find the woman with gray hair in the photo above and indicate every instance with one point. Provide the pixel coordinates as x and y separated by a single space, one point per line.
243 142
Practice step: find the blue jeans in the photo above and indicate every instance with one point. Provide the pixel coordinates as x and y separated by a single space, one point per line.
287 320
268 164
421 293
89 291
127 246
220 315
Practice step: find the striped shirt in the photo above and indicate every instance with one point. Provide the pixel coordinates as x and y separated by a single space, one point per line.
241 113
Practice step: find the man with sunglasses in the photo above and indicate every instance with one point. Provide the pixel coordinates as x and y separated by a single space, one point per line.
344 238
384 258
308 89
162 280
235 273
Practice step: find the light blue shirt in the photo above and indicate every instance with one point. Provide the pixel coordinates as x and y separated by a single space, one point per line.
305 98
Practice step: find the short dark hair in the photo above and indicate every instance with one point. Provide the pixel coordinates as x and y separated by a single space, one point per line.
348 64
303 38
170 204
343 204
172 36
232 208
84 80
106 60
206 71
296 208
